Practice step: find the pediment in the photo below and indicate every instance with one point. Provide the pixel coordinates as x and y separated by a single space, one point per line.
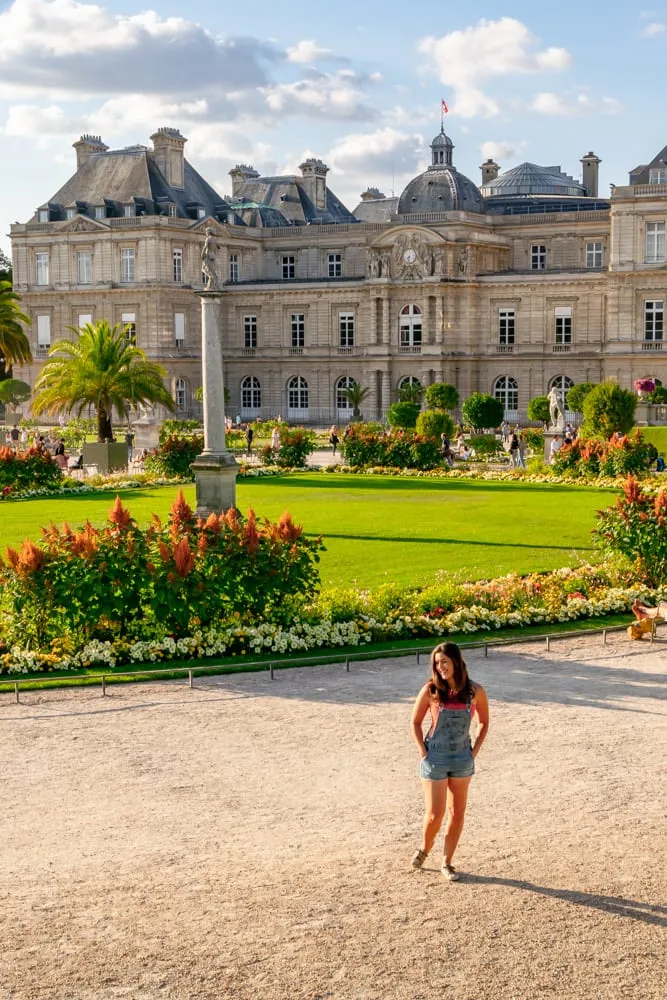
82 224
201 225
407 234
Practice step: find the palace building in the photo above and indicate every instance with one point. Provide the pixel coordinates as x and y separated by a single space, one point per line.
526 281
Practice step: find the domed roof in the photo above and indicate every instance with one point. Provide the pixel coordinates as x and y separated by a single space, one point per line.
441 188
531 179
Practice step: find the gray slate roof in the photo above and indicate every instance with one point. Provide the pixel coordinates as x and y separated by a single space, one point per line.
531 179
441 189
376 209
640 175
288 196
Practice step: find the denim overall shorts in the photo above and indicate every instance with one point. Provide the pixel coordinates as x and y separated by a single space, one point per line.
449 751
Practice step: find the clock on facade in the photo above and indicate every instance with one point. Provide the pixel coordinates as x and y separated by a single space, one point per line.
410 256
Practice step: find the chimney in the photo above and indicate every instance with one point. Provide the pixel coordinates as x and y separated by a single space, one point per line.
589 174
168 147
314 174
86 146
490 171
239 175
373 194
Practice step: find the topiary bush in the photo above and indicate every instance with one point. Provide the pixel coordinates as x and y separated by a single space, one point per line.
608 409
442 396
538 410
433 423
403 414
481 411
574 399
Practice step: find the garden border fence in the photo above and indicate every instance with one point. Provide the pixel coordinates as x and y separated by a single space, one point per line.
260 666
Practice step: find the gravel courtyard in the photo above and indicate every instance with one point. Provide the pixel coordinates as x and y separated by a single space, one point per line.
251 838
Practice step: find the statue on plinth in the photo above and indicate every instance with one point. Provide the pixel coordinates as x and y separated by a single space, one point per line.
208 252
556 414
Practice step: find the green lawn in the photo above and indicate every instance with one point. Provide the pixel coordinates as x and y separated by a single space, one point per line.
381 529
657 436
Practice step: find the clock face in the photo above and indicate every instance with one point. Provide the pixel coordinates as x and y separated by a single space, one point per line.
410 256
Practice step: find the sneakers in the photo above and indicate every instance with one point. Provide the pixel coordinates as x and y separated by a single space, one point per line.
449 872
418 858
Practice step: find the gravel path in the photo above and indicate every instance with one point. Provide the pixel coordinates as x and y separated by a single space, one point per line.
251 839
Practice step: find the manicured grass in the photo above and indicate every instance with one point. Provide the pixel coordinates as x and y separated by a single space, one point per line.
657 436
380 530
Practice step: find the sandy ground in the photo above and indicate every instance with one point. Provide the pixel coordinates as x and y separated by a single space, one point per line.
251 839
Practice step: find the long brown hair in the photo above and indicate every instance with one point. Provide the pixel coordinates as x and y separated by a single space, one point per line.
461 683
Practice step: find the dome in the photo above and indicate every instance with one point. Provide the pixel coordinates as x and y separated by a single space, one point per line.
531 179
441 188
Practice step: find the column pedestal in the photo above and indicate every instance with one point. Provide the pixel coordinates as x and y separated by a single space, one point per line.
549 435
215 469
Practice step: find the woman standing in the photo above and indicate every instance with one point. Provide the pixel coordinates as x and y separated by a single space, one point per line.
450 699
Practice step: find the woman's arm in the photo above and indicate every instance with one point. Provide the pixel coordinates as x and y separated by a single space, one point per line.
482 707
419 710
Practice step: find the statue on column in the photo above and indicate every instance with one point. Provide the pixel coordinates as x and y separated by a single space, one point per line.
208 252
556 415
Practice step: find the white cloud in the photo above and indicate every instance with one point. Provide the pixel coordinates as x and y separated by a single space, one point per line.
653 29
464 59
220 141
501 152
32 120
334 95
554 104
307 51
385 151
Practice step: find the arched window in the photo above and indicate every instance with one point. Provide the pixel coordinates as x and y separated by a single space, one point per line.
409 389
343 405
410 330
297 397
506 389
561 383
409 382
181 394
251 393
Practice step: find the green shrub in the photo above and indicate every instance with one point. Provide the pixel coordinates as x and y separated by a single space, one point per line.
481 411
574 399
538 409
484 445
183 429
636 528
659 395
403 414
608 409
400 449
165 580
442 396
174 457
28 470
534 439
619 456
296 445
433 423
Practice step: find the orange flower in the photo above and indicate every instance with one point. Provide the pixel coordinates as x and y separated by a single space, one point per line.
214 523
31 558
119 515
250 533
183 558
181 515
12 557
287 529
633 493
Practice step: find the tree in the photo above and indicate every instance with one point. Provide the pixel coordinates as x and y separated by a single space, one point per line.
538 409
102 369
574 398
608 409
14 345
5 267
355 396
442 396
434 423
403 414
410 392
480 410
14 391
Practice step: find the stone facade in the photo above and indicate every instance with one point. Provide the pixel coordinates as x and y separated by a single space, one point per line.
503 303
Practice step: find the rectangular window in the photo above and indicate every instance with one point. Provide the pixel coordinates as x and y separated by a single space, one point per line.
83 319
657 175
177 265
84 267
42 268
563 317
179 329
234 268
655 242
538 257
127 265
128 211
346 329
288 268
129 321
654 318
43 331
43 215
201 213
593 255
171 211
298 329
335 265
100 212
506 326
250 331
70 213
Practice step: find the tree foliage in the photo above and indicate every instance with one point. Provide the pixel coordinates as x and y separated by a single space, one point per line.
14 345
608 409
481 410
13 391
403 414
442 396
355 395
410 392
5 267
434 423
538 409
100 369
574 398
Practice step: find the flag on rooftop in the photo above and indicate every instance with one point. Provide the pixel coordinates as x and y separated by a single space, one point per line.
445 109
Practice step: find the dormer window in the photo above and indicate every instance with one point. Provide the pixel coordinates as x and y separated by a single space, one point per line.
100 211
201 213
128 211
172 211
70 213
43 215
657 175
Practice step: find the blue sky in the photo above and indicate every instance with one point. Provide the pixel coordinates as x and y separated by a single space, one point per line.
356 83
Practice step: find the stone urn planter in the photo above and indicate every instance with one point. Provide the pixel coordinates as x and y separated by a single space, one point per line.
108 456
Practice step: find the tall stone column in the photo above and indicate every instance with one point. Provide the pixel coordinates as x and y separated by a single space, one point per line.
215 469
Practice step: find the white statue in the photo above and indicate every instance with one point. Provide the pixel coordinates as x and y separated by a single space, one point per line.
208 252
556 414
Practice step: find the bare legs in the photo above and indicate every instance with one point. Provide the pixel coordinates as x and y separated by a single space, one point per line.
450 795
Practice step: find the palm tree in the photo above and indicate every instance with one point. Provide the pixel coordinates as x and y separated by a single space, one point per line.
14 345
101 369
410 392
355 396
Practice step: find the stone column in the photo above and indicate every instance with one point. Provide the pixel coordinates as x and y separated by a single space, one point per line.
215 469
